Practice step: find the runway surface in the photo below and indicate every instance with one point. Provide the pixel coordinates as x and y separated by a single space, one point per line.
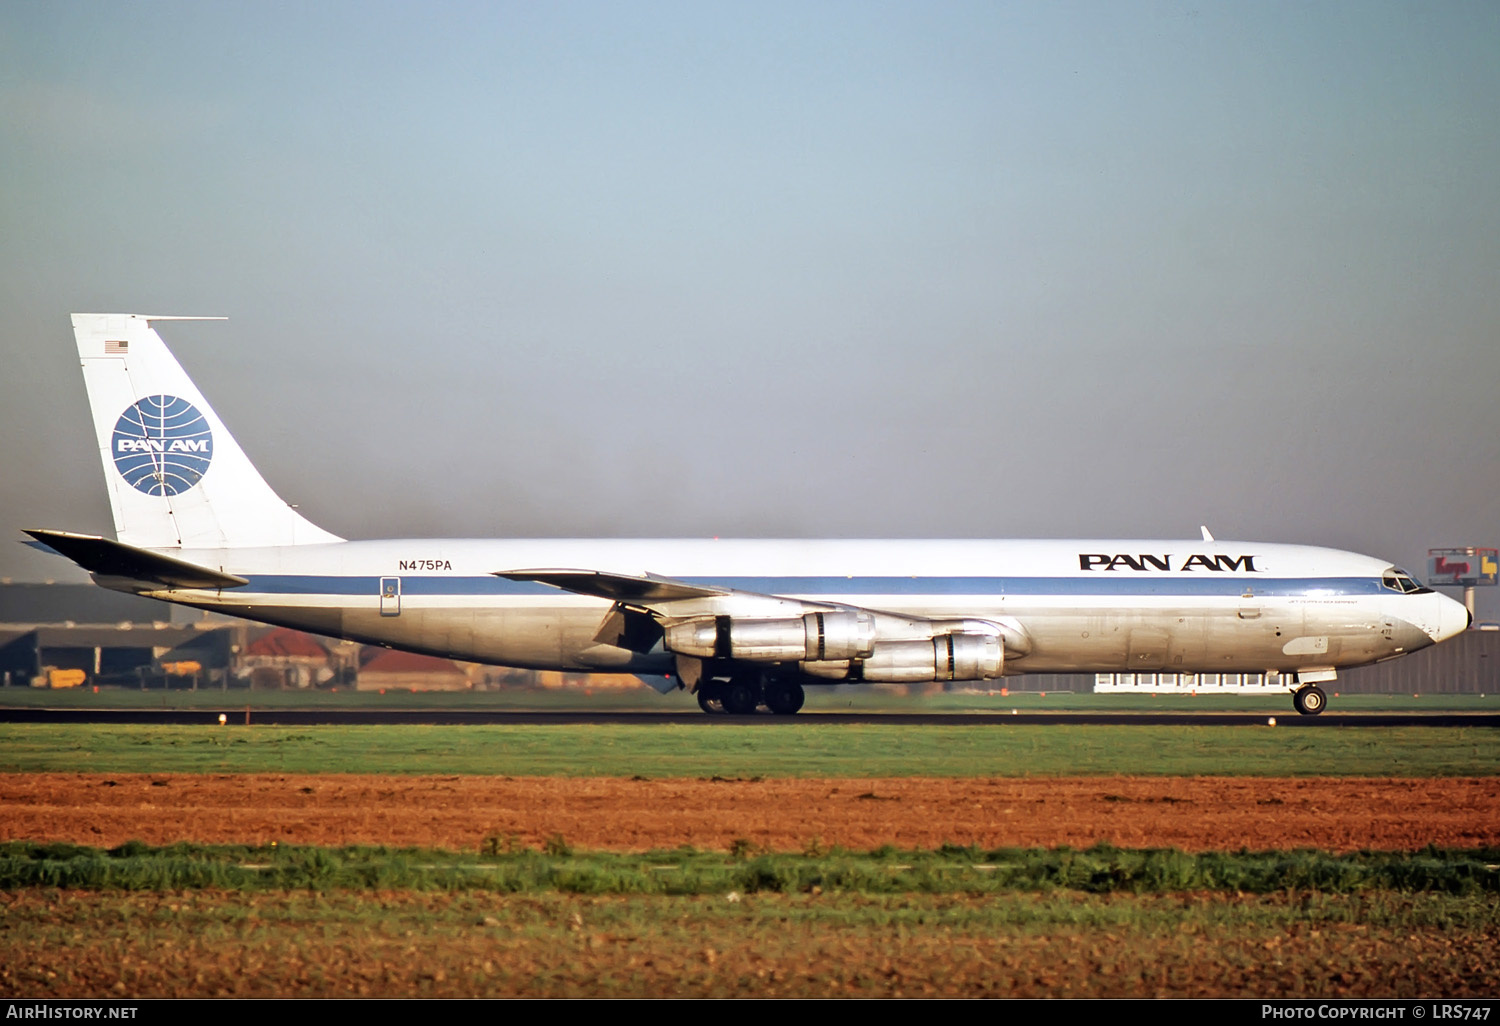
451 717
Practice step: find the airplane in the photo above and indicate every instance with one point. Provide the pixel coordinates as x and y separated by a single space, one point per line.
742 624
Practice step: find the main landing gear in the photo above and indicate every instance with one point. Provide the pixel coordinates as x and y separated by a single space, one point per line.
1309 700
743 694
783 697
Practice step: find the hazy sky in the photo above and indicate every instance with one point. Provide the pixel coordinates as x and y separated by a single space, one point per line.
811 269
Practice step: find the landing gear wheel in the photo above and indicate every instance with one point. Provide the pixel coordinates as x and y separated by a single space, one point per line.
740 697
708 700
1310 701
784 697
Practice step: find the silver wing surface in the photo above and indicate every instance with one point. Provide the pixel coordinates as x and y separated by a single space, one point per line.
717 630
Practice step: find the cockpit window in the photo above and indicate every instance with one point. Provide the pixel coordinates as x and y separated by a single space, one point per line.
1397 579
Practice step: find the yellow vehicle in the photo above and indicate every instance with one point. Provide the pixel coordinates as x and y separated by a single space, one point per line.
52 677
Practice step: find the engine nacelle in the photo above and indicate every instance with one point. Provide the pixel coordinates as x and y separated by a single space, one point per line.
838 634
957 656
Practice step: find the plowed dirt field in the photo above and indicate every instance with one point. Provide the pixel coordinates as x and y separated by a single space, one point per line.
458 813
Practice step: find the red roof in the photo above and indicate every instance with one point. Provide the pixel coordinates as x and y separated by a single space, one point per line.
388 660
286 642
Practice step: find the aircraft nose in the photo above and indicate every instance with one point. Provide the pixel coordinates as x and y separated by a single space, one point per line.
1453 618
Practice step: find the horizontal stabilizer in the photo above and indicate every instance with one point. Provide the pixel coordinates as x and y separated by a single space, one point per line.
619 587
107 558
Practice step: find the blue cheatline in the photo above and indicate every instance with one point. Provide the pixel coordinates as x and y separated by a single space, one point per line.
1027 587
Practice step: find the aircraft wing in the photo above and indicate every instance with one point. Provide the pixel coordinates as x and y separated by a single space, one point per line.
710 621
635 591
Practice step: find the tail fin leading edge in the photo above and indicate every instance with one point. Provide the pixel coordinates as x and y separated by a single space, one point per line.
176 476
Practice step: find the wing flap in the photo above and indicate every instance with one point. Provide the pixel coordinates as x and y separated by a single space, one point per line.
618 587
106 558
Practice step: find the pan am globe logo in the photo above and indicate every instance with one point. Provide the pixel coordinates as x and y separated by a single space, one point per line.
162 445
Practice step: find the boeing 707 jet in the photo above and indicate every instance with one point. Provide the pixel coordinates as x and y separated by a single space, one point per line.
743 624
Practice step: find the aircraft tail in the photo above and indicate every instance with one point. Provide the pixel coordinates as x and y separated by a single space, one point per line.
176 476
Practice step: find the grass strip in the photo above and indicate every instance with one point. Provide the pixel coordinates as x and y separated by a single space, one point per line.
951 869
804 749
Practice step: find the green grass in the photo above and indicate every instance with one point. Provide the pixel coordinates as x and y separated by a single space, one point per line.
506 868
708 748
862 699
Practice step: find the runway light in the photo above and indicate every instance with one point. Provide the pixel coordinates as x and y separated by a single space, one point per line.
223 719
1271 722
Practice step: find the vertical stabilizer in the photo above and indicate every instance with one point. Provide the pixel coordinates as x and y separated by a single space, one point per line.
175 474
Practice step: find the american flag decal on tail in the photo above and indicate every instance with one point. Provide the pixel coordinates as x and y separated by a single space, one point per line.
116 348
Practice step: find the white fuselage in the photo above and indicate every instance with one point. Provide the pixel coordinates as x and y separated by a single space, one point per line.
1080 606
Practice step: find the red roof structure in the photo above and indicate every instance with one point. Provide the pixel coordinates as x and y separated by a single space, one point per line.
388 668
390 660
286 642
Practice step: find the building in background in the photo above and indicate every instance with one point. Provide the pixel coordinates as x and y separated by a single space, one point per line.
386 669
1467 664
283 658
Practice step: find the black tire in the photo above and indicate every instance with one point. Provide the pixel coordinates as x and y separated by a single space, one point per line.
1310 701
708 700
740 697
784 697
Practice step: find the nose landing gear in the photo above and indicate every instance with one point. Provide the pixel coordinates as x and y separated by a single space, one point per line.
1309 700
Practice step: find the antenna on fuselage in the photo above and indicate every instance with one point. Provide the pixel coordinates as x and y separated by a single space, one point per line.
1206 535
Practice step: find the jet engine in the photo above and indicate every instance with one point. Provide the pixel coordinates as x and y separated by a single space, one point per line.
955 656
836 634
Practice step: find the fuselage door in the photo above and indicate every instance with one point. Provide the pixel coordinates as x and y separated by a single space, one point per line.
1249 605
390 596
